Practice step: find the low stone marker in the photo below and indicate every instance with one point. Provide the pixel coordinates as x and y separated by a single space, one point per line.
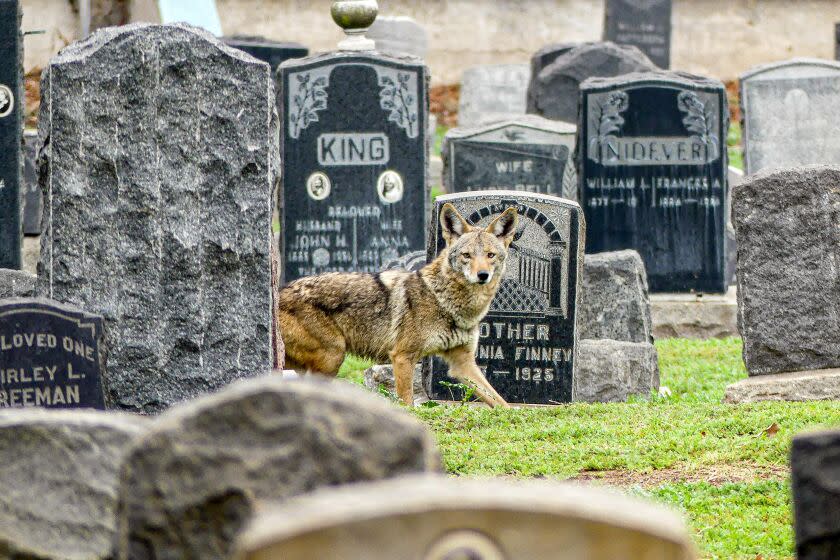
527 341
527 153
16 283
816 497
788 288
193 480
613 370
439 518
382 377
614 302
493 92
51 355
645 24
554 93
11 127
399 36
159 205
58 489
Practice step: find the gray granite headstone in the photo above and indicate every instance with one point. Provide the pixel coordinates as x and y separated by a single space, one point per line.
159 164
816 497
613 370
33 198
540 60
17 283
204 467
786 222
837 41
789 114
527 342
493 92
642 23
399 36
11 131
554 93
527 153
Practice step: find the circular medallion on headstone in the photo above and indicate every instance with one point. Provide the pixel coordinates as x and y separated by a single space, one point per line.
390 187
318 186
320 257
465 545
7 101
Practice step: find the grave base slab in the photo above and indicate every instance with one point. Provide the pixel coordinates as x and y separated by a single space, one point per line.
694 316
799 386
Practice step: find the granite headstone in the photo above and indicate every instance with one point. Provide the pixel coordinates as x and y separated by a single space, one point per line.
528 153
399 36
11 131
788 279
540 60
652 164
273 52
19 283
354 161
33 198
160 161
789 114
815 471
527 341
645 24
837 41
554 93
493 92
51 355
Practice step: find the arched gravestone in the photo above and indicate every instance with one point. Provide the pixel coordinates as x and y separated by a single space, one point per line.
11 131
439 518
528 153
354 160
159 163
789 114
652 163
527 341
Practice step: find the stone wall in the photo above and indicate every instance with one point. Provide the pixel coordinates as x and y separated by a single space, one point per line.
720 38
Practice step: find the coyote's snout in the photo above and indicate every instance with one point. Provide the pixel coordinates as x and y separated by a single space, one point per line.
403 316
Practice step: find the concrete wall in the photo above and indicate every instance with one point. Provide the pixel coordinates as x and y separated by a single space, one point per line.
720 38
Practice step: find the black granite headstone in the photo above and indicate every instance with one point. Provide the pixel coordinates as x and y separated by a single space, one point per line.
51 355
11 131
529 154
527 341
643 23
354 161
652 164
837 41
33 198
273 52
815 470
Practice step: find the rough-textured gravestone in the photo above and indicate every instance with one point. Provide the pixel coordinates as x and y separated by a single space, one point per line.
33 198
645 24
652 163
797 386
815 471
11 130
527 341
354 160
540 60
273 52
58 487
788 278
493 92
382 377
554 93
612 370
528 153
192 481
614 300
17 283
399 36
160 161
51 355
440 518
789 114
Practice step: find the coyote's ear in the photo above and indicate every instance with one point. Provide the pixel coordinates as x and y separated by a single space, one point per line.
504 226
452 224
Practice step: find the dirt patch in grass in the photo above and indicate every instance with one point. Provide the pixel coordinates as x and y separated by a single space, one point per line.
716 475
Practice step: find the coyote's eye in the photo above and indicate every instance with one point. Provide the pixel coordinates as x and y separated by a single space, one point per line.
467 256
491 255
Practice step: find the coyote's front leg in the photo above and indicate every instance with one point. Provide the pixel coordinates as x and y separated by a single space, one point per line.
462 366
404 375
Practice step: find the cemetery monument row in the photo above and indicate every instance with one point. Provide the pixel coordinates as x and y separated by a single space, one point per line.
354 145
642 23
11 131
789 114
528 153
652 164
527 341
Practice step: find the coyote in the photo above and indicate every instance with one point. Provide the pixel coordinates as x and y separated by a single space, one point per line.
403 316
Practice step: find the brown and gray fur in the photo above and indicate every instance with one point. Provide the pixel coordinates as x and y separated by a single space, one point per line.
401 316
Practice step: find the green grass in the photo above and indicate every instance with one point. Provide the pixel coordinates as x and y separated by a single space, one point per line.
733 143
689 433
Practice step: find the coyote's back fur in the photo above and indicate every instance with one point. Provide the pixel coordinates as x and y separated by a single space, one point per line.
403 316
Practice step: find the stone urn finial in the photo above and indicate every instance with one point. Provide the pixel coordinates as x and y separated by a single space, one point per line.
355 17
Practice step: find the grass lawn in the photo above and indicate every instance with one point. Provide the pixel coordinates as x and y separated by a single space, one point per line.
723 466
